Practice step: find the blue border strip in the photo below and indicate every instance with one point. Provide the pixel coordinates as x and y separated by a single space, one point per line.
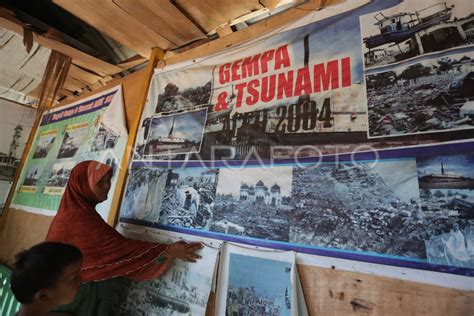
320 251
383 154
48 117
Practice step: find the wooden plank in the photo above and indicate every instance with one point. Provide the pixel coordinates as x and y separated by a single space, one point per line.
133 126
332 292
83 75
163 18
80 58
253 31
110 19
212 14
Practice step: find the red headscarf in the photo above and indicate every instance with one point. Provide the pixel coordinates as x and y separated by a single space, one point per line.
107 254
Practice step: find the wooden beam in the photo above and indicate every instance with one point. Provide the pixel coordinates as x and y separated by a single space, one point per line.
83 75
253 31
163 18
100 67
212 14
156 56
109 18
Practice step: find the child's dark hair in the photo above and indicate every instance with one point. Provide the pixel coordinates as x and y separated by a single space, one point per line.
40 267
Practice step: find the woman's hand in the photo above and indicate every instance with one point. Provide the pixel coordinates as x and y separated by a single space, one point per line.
184 251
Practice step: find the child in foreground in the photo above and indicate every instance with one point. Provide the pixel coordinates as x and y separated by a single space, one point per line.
46 276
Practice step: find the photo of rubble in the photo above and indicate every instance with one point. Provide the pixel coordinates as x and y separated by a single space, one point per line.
362 207
173 100
253 202
175 134
258 286
60 174
414 28
104 139
429 96
33 175
189 197
73 136
45 143
183 290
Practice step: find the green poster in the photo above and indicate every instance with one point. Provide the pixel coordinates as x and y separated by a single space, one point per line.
66 136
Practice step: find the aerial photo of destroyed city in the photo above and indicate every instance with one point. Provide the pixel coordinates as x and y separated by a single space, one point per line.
428 96
258 286
365 208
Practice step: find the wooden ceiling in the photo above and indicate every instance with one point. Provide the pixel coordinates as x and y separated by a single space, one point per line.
175 26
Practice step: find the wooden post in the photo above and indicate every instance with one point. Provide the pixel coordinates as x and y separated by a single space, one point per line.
157 54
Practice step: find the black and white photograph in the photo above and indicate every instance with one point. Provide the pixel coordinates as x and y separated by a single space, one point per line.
258 286
414 28
432 95
73 136
183 290
176 98
253 202
189 197
175 134
45 143
176 197
370 207
33 174
104 139
60 174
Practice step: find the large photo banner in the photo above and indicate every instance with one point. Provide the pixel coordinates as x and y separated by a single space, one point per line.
16 122
66 136
348 133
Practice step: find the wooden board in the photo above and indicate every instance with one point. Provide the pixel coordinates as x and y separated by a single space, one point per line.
332 292
163 18
210 14
22 230
109 18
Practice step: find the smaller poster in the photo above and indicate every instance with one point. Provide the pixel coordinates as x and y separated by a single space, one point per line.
257 282
183 290
88 129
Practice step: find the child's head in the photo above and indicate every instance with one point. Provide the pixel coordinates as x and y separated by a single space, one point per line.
47 273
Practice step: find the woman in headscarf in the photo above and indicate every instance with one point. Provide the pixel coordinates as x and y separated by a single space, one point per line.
106 253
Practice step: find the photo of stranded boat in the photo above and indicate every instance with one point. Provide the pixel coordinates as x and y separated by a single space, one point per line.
401 26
